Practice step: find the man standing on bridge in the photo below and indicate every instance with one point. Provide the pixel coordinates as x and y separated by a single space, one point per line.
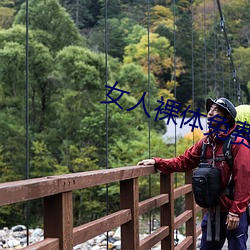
233 208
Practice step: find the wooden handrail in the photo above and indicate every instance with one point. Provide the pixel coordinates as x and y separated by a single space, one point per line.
24 190
51 244
58 208
90 230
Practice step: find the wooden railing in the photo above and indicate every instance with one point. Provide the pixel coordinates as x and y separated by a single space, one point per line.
59 232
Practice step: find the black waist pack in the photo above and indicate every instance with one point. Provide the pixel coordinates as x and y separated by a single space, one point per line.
206 183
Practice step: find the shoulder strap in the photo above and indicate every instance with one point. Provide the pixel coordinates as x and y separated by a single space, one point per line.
203 152
203 158
227 151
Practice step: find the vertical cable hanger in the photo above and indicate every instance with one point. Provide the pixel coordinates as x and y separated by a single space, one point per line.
27 89
223 78
107 121
149 124
222 64
215 54
237 87
205 50
175 94
220 67
229 83
77 13
174 59
192 19
27 208
174 79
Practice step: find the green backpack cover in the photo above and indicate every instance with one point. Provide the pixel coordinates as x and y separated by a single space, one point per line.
243 113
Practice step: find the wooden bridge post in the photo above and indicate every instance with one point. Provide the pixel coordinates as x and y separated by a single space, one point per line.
190 205
58 219
129 198
167 210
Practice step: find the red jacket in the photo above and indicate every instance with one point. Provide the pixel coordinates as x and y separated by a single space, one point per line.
241 168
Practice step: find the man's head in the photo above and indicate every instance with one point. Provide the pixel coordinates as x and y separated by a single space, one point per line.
224 108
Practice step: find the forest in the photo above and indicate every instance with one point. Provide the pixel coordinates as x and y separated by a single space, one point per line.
53 73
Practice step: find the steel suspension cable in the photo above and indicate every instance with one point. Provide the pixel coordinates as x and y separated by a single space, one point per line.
107 120
174 73
175 95
149 122
192 24
215 53
205 50
27 207
77 13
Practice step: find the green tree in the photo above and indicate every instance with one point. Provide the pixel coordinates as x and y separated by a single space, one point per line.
241 56
131 9
42 163
6 17
237 18
79 75
84 13
12 73
53 25
13 60
12 108
136 34
13 148
117 32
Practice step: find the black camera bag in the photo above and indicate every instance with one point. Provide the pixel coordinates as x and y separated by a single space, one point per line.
206 181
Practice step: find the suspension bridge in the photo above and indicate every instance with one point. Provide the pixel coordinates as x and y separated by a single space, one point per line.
56 192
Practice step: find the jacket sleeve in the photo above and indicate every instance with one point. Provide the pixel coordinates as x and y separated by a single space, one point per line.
185 162
241 175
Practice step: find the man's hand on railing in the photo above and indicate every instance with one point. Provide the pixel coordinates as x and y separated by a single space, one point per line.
146 162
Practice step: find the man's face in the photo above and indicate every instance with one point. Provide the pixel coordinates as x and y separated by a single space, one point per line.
215 110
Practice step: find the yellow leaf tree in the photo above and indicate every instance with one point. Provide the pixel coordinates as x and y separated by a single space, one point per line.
160 63
161 16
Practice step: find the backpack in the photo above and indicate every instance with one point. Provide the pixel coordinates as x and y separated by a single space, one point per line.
243 113
206 179
206 183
